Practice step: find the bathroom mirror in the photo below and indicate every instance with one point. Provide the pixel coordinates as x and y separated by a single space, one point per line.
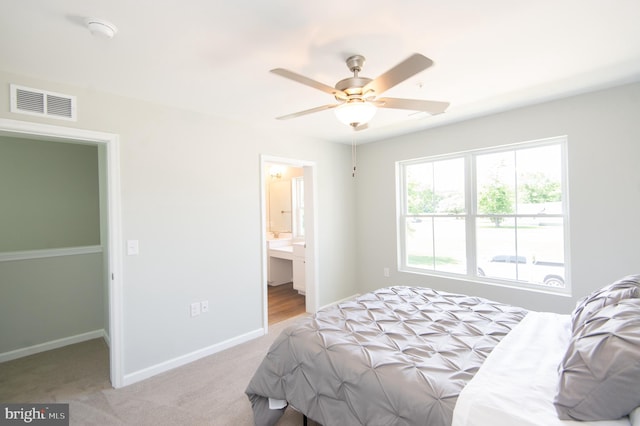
280 206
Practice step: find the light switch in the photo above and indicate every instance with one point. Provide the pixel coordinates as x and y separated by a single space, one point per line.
132 247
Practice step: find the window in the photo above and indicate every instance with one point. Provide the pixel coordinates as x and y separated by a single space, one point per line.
297 186
498 216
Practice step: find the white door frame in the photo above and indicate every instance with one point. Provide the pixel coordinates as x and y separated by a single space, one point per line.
114 238
310 228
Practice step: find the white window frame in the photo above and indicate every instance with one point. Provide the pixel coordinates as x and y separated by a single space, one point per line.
297 206
471 215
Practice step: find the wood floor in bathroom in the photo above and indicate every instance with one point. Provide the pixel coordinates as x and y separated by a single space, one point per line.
284 302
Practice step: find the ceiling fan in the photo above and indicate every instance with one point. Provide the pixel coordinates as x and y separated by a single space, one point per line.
358 96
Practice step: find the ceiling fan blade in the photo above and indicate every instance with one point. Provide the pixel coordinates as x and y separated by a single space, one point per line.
405 69
307 111
305 80
432 107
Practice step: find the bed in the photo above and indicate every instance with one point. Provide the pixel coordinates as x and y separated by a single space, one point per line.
417 356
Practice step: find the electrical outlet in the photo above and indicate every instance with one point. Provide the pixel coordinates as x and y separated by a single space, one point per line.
385 272
204 306
195 309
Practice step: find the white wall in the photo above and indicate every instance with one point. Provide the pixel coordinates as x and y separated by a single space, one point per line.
604 191
191 196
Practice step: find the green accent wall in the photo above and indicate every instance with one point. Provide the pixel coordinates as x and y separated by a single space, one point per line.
49 195
47 299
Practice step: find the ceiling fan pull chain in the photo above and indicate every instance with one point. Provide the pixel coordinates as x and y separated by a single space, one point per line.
353 155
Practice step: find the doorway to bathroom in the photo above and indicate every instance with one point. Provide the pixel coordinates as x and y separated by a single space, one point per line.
288 238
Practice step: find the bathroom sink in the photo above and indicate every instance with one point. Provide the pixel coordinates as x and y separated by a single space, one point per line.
279 242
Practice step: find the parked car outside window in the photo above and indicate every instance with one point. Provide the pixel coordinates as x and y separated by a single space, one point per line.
511 267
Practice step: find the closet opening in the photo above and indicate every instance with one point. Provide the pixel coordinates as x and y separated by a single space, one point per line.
91 257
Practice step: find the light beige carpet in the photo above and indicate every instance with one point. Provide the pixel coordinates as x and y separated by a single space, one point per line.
209 391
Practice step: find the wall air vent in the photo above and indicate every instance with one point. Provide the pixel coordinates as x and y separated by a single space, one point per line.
25 100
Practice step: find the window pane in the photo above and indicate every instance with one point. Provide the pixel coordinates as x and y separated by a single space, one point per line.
543 246
449 186
450 245
539 180
435 187
496 189
419 243
420 196
436 244
530 252
496 249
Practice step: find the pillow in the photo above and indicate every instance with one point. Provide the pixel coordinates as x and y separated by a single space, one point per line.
626 288
600 372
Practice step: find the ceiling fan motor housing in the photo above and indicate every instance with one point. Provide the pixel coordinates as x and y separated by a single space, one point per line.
352 86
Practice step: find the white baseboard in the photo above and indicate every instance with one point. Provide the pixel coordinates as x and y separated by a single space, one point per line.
340 301
148 372
107 338
53 344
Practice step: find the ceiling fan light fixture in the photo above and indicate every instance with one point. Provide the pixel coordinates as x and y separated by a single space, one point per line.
355 112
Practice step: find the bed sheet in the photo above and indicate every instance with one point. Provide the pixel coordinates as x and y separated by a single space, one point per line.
517 382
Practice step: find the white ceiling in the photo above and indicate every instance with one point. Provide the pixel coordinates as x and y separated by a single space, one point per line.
214 56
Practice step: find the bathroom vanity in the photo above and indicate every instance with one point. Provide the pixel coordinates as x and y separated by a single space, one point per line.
286 262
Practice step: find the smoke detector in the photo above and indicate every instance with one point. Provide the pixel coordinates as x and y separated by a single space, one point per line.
101 28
